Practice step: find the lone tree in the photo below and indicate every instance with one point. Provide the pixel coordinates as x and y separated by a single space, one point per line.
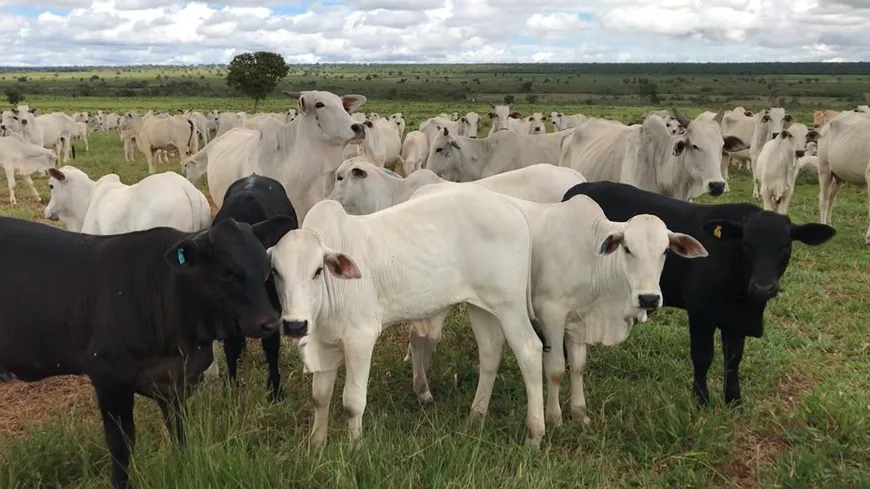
256 74
14 96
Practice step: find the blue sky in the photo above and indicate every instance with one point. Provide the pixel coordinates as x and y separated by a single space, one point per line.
67 32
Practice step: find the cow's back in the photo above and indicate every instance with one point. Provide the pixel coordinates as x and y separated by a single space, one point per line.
597 149
845 148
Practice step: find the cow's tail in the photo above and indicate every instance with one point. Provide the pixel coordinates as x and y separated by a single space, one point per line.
536 326
190 139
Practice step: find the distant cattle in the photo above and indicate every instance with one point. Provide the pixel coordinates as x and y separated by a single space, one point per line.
503 119
136 313
253 200
19 155
749 250
778 166
176 132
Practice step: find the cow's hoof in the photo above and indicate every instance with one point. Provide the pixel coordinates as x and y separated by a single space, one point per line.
426 398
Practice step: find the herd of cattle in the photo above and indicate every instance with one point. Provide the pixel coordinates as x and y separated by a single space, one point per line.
555 241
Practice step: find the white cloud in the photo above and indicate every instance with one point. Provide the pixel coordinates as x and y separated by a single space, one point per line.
48 32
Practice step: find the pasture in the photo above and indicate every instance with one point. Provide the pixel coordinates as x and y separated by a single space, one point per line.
803 422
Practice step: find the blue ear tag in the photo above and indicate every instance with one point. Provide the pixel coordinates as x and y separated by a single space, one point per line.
181 259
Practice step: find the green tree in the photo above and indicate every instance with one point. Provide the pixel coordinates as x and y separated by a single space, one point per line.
256 75
14 96
531 98
648 89
508 99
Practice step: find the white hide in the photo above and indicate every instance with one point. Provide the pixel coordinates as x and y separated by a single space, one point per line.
415 152
20 155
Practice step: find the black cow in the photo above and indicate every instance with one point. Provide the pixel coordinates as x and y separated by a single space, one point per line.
135 312
749 250
251 200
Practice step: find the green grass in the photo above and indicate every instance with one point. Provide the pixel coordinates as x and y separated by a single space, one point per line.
803 424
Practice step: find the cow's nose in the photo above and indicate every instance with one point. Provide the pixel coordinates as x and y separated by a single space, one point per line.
768 290
775 135
357 128
295 329
716 188
648 301
800 153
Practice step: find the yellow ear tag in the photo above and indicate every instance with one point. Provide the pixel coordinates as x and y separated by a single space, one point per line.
718 231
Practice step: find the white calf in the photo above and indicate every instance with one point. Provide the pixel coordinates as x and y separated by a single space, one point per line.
19 154
412 261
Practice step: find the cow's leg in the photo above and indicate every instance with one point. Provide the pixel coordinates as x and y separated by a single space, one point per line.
87 147
116 409
552 317
10 180
701 337
784 204
575 343
171 410
358 358
150 155
490 341
529 353
732 351
425 336
32 187
826 184
832 197
322 385
272 350
232 350
766 200
724 164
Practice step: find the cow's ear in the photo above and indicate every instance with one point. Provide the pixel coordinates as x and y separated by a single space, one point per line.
611 243
271 231
184 256
352 101
686 246
341 265
724 230
813 233
732 144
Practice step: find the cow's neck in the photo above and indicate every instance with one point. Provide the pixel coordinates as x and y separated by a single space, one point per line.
471 164
78 209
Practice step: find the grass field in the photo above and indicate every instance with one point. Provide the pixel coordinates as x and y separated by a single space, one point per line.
803 424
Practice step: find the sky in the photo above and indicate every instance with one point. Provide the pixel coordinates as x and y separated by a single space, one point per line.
124 32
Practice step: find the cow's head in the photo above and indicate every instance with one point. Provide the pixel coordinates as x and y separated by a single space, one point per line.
699 152
469 125
71 191
328 115
644 242
303 267
361 187
765 239
776 120
228 263
445 155
500 115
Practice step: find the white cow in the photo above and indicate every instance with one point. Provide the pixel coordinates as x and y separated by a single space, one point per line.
52 131
769 123
415 152
176 132
844 157
81 132
462 159
432 127
778 166
505 120
342 279
20 155
302 154
398 123
584 292
562 122
109 122
648 157
363 188
204 125
108 206
739 123
537 123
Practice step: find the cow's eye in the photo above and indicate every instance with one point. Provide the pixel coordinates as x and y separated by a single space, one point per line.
439 150
51 187
627 251
318 105
318 272
339 178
